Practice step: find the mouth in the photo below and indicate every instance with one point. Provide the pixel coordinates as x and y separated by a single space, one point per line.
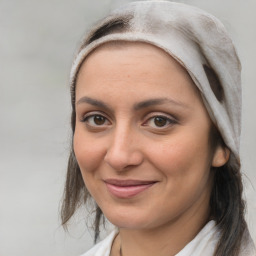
127 188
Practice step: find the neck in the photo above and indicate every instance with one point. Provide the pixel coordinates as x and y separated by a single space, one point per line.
167 239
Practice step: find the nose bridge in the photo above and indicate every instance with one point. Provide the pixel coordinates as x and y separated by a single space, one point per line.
124 149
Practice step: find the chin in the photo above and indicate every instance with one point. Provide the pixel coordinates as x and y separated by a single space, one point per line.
128 219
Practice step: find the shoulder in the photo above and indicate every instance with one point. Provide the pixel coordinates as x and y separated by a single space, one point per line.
102 248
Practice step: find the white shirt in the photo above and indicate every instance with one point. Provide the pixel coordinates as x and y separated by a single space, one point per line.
203 244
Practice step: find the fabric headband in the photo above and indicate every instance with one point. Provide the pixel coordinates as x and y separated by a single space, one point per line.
198 41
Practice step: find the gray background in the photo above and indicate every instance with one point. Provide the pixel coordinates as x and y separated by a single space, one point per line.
37 42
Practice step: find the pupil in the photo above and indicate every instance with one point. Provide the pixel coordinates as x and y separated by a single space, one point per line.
99 120
160 121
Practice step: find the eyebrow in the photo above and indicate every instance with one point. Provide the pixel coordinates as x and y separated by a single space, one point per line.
137 106
157 101
93 102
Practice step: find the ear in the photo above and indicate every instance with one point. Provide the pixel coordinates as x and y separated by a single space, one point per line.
221 156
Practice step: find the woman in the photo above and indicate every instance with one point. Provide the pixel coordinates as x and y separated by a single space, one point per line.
156 116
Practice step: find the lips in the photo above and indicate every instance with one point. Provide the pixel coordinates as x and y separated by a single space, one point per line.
127 188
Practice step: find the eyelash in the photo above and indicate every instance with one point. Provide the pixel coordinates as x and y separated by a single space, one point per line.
167 121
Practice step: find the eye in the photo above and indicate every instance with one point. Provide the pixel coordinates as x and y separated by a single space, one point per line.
95 120
159 122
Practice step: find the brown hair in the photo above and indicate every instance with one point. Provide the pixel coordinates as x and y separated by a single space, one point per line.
227 205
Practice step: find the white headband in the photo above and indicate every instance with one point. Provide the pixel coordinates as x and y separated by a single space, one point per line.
198 41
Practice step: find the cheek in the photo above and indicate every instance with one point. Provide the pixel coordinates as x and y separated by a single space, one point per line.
88 152
89 155
185 167
184 160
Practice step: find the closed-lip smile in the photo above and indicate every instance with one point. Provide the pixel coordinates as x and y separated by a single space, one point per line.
127 188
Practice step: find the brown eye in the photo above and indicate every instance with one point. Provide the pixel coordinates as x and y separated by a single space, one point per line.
99 120
160 121
96 120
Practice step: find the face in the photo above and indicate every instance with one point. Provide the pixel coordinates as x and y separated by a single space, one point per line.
142 137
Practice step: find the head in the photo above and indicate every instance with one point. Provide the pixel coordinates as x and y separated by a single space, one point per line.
141 110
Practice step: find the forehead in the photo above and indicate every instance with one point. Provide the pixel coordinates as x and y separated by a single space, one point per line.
130 66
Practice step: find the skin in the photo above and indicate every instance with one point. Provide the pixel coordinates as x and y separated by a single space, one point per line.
126 142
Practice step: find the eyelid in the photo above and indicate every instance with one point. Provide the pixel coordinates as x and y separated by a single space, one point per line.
93 113
162 114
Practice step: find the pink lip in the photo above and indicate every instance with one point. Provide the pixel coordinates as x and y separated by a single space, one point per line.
127 188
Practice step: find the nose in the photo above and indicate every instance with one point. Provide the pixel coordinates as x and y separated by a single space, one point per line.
124 151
